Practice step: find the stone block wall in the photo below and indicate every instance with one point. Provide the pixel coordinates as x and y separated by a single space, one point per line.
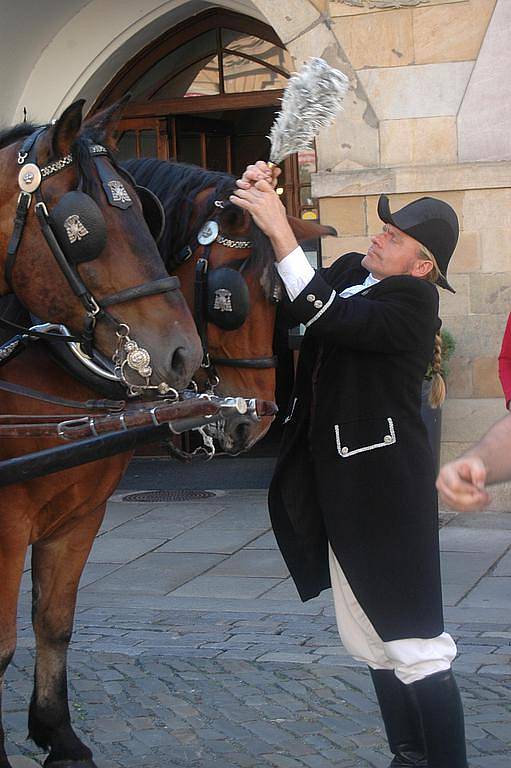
415 65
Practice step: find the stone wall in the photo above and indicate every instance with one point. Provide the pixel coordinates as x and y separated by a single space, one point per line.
436 78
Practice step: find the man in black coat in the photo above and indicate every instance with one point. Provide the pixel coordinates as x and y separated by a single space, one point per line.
353 500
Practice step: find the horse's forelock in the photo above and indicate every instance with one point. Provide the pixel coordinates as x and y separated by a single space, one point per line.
84 164
11 135
79 150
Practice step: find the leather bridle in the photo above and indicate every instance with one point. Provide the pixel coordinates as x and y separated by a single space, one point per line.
30 181
202 267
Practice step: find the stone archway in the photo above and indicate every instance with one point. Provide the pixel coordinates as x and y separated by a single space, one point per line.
92 46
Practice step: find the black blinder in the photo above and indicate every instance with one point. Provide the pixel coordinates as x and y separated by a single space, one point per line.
153 211
228 298
79 227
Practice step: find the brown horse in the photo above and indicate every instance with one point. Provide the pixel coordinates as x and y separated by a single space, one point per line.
73 502
117 265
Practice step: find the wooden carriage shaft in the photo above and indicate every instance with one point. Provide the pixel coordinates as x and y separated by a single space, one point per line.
46 462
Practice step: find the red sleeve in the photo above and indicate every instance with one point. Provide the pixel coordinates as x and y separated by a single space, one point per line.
505 362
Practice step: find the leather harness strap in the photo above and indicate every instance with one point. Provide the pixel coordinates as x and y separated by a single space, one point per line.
246 362
19 224
31 332
162 285
89 405
201 277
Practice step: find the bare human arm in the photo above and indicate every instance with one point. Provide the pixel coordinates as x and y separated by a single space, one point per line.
462 483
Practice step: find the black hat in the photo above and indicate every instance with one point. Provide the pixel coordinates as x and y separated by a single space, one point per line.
430 221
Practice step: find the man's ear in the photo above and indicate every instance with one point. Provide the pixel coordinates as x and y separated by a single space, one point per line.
422 268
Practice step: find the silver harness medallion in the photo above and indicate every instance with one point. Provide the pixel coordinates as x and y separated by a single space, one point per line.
75 229
223 300
119 193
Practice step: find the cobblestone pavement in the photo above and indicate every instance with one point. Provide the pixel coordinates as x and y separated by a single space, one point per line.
192 650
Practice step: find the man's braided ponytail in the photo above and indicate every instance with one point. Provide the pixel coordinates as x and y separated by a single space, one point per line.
437 391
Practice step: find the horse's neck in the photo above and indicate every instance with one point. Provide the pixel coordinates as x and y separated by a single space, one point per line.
9 193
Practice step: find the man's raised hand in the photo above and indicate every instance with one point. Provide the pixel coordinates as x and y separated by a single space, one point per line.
260 171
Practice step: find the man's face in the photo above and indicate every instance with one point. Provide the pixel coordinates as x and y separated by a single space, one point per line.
392 252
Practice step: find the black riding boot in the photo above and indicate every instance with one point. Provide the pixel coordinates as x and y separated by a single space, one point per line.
401 719
441 711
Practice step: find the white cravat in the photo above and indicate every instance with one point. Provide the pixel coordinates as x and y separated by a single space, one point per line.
368 282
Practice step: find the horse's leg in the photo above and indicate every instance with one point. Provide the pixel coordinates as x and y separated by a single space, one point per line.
13 546
57 564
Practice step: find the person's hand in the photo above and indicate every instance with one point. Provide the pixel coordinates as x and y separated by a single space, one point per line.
461 484
266 209
260 171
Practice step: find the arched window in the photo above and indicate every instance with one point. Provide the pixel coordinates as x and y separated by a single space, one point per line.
217 53
206 92
215 62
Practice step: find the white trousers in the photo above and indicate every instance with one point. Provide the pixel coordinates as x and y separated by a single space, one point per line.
411 659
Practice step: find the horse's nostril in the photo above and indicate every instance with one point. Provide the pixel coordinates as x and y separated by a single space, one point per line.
242 433
178 362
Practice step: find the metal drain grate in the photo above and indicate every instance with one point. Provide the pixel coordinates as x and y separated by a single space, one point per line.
178 495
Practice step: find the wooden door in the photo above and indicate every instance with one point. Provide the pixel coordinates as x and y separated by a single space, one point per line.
202 141
142 137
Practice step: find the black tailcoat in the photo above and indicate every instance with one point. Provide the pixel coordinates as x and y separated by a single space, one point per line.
355 466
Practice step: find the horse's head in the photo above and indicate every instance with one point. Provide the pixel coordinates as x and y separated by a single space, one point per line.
81 254
240 291
241 261
226 268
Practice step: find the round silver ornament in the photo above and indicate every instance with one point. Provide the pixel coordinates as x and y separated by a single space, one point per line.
208 233
29 178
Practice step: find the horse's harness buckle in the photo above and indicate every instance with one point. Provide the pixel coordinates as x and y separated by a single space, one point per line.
23 195
95 309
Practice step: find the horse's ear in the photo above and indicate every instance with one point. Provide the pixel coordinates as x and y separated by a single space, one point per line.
309 230
67 128
103 124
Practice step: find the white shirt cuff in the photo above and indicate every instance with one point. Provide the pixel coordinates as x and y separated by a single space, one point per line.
295 271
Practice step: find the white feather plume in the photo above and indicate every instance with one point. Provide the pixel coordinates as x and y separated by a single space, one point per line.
312 100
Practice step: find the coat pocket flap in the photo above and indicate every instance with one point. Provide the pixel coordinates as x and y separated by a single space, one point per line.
377 433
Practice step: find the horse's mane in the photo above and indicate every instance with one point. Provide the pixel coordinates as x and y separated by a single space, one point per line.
15 133
177 186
